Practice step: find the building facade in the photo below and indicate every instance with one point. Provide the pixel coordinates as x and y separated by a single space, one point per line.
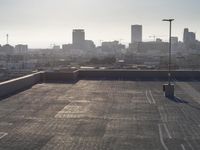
174 40
20 48
189 37
78 38
136 33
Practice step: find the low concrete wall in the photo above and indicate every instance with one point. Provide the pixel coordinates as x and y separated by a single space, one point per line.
12 86
118 74
134 75
186 75
76 75
59 76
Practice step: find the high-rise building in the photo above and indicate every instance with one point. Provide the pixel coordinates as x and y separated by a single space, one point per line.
189 37
136 33
185 35
78 38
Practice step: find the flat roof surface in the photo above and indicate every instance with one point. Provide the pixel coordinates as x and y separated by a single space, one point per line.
102 115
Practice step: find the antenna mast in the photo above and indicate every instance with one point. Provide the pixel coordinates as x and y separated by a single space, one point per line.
7 36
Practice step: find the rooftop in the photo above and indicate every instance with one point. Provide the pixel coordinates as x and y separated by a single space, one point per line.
103 115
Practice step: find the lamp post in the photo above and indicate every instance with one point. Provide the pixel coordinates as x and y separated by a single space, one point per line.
169 89
170 48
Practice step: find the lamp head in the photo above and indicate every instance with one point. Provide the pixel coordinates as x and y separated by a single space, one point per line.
168 20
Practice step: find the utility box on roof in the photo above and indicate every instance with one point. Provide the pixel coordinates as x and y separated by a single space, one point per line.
168 90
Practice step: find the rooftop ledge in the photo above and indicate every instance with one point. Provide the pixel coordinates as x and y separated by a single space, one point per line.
18 84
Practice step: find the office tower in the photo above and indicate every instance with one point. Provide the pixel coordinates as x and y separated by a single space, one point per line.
78 38
185 35
136 33
189 37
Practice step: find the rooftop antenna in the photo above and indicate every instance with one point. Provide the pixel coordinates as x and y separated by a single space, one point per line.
7 36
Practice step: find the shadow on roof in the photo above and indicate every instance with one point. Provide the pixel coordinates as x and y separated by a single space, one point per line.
179 100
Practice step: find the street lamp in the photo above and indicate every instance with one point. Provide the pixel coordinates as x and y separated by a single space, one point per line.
169 89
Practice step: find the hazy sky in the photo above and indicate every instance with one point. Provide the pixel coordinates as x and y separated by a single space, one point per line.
41 23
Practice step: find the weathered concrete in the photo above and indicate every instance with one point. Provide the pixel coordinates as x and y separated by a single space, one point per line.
18 84
101 115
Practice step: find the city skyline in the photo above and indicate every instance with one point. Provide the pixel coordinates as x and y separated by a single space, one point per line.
41 24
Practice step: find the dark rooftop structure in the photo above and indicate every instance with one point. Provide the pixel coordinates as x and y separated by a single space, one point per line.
99 113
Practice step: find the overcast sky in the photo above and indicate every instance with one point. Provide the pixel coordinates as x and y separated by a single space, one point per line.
40 23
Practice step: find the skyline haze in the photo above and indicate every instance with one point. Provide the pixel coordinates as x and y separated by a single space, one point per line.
43 23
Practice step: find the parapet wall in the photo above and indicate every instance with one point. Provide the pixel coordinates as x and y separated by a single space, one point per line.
137 75
59 76
12 86
117 75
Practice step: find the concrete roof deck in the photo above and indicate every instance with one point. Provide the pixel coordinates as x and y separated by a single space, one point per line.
102 115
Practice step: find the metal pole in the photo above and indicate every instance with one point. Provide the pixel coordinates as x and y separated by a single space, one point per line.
170 46
169 89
